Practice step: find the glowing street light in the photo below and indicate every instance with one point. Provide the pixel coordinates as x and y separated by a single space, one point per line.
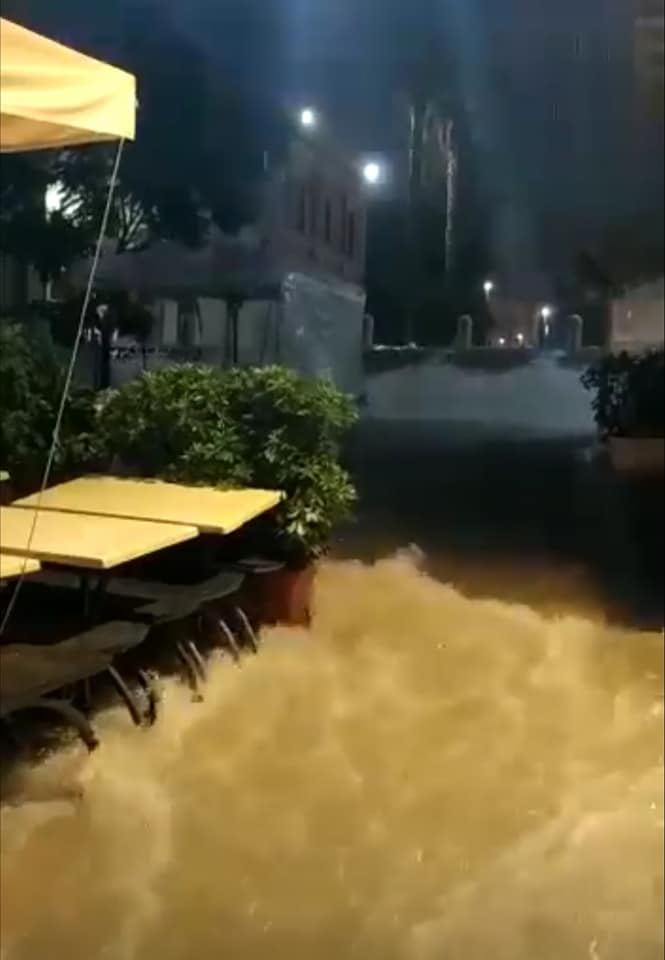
308 118
372 172
488 287
546 312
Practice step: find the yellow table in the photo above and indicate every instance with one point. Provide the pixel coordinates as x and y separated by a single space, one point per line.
209 509
83 540
14 566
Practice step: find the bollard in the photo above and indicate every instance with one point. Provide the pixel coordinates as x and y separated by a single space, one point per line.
576 328
464 339
368 331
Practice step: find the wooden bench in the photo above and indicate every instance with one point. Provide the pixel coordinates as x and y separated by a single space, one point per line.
30 674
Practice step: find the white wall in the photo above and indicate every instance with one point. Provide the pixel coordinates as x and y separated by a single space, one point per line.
637 318
542 397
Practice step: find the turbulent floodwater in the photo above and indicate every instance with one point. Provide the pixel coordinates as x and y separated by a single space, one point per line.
421 777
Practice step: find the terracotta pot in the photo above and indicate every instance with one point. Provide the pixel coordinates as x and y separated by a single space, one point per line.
285 596
638 456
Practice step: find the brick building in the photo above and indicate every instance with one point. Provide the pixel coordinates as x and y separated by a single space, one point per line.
315 212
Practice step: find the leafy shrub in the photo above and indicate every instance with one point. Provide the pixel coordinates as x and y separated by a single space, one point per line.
628 394
265 427
293 429
31 383
173 423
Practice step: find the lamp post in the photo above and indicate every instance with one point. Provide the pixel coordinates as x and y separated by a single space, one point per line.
543 325
309 119
374 173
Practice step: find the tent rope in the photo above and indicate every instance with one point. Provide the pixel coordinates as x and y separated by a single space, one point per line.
67 384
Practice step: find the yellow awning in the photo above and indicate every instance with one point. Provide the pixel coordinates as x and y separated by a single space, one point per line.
51 96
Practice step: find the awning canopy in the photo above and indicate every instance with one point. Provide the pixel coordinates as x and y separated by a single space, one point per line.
52 96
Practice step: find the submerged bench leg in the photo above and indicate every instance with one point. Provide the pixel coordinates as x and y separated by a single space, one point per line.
152 695
195 654
230 639
69 713
190 669
210 620
127 696
247 629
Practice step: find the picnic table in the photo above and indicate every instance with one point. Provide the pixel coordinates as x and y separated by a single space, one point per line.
208 509
95 524
11 566
87 541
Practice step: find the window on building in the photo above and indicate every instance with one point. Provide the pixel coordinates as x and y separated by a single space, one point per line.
301 212
344 207
313 211
351 235
327 222
188 323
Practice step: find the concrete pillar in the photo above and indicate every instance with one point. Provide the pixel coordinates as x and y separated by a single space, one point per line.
464 339
368 331
537 334
576 328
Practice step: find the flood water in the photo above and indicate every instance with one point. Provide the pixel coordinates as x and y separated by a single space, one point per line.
420 777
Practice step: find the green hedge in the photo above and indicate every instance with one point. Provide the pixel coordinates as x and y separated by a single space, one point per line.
628 394
263 427
31 383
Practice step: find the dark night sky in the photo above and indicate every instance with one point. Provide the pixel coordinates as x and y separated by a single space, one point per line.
547 83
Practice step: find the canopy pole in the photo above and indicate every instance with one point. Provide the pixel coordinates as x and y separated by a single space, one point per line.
68 382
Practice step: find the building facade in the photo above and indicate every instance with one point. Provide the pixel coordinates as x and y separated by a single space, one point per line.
650 49
314 217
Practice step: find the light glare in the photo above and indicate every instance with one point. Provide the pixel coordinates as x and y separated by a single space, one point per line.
308 117
372 172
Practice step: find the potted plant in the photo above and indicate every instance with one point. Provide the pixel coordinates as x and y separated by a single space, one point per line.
293 429
263 427
628 408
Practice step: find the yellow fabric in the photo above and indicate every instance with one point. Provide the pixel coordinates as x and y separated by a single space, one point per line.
209 509
51 96
14 566
80 540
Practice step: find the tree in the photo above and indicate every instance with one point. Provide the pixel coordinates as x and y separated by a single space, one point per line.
199 152
31 235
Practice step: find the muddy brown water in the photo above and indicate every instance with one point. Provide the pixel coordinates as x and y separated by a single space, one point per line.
422 776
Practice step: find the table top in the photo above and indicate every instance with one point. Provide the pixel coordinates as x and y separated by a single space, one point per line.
209 509
85 540
11 566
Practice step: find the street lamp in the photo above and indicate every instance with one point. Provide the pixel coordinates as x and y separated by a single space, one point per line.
545 313
488 287
308 118
372 172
